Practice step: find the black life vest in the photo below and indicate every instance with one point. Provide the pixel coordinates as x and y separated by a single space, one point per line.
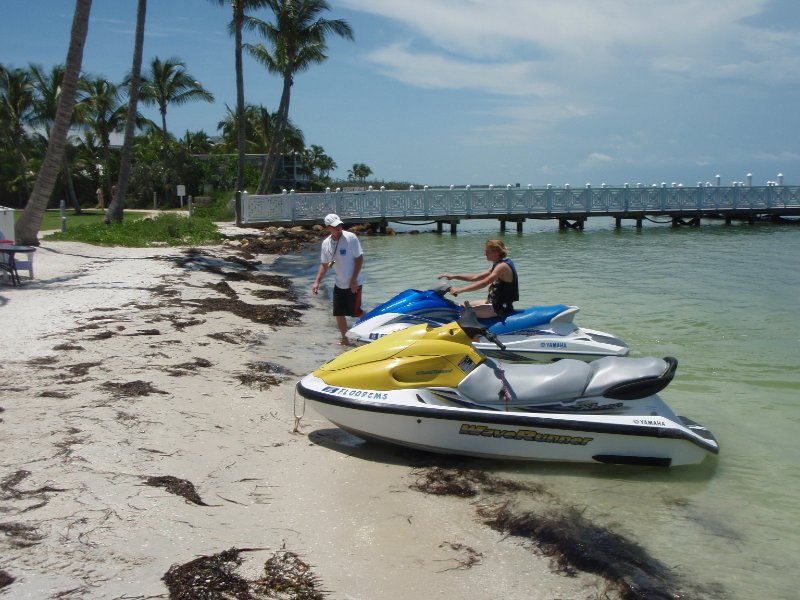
503 294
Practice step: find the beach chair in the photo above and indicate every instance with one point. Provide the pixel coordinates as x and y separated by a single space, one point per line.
25 264
4 274
22 264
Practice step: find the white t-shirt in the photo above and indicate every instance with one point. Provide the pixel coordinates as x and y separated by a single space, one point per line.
344 253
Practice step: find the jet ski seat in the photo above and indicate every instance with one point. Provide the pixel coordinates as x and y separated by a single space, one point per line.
621 378
526 384
630 378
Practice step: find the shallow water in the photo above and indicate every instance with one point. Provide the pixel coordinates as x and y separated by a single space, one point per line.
723 300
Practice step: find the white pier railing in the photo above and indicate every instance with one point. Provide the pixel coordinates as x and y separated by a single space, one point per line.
516 204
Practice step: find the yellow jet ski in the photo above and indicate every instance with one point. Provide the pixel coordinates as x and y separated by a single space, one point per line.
429 388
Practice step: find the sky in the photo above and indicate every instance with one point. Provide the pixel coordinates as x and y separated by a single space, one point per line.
479 92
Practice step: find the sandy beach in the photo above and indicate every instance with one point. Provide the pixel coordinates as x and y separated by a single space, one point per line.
148 419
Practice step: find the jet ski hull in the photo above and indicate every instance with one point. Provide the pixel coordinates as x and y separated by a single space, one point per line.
542 344
425 419
534 334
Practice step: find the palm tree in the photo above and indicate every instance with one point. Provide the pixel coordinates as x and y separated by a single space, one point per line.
263 127
196 142
360 171
325 165
297 39
47 87
87 150
320 161
28 225
116 206
239 7
169 83
102 113
229 128
260 124
16 111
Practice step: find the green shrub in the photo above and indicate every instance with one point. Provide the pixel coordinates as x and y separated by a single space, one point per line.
166 229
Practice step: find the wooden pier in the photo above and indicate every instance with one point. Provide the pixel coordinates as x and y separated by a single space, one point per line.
447 207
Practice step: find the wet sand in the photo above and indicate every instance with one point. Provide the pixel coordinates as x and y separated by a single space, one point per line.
148 418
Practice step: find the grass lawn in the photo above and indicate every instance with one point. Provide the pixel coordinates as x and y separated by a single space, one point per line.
52 217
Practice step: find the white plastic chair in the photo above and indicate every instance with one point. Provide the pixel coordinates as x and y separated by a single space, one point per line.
26 264
22 264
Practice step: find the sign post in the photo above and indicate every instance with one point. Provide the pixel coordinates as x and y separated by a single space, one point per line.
181 193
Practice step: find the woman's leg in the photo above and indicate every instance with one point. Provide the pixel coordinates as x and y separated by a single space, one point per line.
483 311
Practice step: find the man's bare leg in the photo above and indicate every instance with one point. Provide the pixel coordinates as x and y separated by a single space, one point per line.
341 321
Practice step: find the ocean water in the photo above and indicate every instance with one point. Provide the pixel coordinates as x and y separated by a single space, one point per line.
724 301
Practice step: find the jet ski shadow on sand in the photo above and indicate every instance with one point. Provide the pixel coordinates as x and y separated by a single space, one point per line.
534 334
431 388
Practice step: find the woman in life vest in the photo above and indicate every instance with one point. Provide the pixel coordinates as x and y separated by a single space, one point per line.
501 278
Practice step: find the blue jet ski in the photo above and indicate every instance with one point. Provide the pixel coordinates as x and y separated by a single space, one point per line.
534 334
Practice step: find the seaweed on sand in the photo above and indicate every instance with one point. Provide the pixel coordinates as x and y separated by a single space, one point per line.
237 336
180 487
575 544
200 260
5 579
271 314
9 490
79 369
68 346
286 574
22 535
103 335
278 241
572 542
132 389
187 368
470 558
215 577
235 269
54 394
466 483
209 577
263 375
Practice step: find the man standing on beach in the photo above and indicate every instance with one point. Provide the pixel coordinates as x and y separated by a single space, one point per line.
342 251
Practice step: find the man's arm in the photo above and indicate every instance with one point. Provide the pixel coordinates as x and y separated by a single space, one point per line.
357 264
323 268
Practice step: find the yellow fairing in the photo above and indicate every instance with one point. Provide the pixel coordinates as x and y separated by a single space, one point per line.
411 358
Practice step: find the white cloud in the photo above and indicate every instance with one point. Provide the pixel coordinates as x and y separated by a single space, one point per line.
586 39
429 70
594 160
524 122
650 85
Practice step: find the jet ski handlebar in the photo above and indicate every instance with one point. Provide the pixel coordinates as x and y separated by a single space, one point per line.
472 326
441 288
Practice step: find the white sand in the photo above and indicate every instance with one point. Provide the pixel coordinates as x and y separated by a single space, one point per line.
78 518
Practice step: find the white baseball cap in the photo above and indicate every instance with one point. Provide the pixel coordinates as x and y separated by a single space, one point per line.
332 220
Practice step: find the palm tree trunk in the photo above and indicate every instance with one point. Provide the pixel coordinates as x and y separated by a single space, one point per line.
27 228
106 143
117 204
164 150
23 177
69 186
276 143
238 17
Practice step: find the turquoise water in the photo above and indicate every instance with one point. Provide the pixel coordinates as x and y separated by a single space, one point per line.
723 300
